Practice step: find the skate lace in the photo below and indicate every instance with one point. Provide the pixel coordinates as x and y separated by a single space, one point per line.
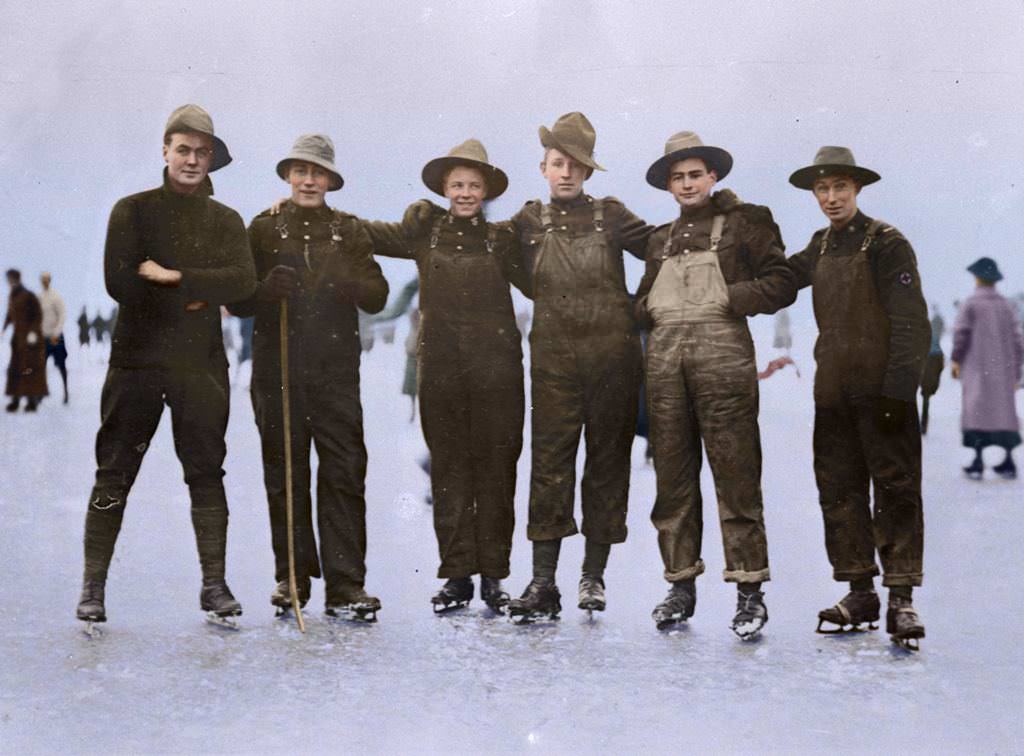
747 604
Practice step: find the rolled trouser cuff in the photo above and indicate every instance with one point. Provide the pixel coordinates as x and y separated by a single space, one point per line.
892 580
847 575
686 574
551 532
746 576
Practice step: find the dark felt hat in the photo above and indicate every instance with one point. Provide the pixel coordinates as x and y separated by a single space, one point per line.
194 118
986 269
317 149
470 153
686 144
833 161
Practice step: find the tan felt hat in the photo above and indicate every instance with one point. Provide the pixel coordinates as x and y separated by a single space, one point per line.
470 153
574 135
683 145
832 161
194 118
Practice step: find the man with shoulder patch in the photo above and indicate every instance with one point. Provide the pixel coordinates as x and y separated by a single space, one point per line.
585 364
173 256
320 261
873 337
720 262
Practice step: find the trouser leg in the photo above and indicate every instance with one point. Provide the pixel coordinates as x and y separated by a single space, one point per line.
268 410
723 377
130 407
445 416
675 438
337 425
198 400
556 420
894 463
842 476
611 380
496 429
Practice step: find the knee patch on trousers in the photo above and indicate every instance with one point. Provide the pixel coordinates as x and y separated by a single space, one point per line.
107 500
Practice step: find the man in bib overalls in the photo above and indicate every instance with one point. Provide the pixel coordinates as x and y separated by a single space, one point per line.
320 261
873 338
585 365
718 263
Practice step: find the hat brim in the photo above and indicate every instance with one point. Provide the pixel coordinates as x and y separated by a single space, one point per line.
805 177
548 141
433 175
716 159
336 180
988 273
221 156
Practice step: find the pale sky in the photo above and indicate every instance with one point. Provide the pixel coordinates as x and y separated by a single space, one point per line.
929 95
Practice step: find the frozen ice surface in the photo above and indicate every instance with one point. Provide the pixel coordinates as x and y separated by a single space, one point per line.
161 680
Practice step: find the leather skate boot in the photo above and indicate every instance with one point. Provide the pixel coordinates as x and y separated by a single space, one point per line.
903 624
853 610
456 593
541 599
493 594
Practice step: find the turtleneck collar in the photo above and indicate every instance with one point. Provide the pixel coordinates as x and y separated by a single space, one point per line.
579 200
205 189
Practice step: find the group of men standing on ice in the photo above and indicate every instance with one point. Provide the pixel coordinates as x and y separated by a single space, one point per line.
174 255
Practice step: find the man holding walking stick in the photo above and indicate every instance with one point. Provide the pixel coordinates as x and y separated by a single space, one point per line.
315 267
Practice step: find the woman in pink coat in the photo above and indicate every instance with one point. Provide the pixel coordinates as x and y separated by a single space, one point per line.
988 352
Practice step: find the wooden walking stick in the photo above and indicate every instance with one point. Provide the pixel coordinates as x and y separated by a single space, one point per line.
289 504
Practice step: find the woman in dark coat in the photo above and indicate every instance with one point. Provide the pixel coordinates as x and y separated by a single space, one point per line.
470 372
26 373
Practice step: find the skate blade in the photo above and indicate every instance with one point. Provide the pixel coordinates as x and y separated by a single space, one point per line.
747 633
497 609
93 629
228 623
843 629
592 606
446 608
907 644
533 618
352 614
668 625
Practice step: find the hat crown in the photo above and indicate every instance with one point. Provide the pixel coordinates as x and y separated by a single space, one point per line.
832 155
471 149
575 129
189 118
316 145
683 140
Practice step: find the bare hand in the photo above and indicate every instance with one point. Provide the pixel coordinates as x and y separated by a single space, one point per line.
954 370
154 272
278 204
195 306
55 340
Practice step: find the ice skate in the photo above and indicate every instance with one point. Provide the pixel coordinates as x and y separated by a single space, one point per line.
975 470
220 606
591 594
678 605
90 607
903 624
456 593
751 615
1006 469
352 603
493 594
540 600
281 597
853 610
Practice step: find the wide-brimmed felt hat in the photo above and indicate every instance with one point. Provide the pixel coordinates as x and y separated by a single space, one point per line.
986 269
194 118
683 145
833 161
472 154
317 149
573 135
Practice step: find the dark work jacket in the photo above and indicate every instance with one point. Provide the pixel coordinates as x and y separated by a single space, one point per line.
336 275
464 275
750 254
873 326
195 235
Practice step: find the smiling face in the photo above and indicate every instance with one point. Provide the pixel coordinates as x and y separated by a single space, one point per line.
188 156
837 198
565 176
691 183
466 189
309 183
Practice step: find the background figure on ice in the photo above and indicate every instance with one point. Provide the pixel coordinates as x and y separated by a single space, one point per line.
872 341
719 262
988 351
469 368
584 364
320 260
26 372
173 256
52 305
